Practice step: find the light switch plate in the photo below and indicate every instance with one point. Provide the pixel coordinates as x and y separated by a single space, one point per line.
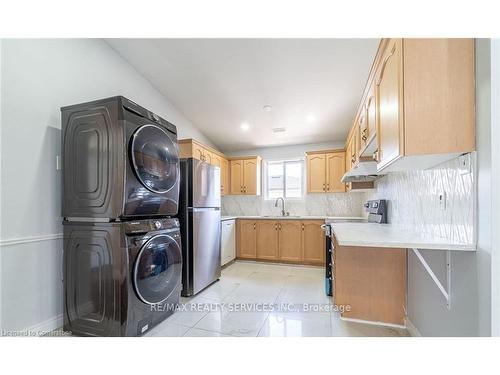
442 200
465 164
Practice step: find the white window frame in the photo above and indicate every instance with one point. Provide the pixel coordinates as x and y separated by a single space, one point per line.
265 195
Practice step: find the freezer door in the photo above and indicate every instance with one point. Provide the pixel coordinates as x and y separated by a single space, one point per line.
206 246
205 184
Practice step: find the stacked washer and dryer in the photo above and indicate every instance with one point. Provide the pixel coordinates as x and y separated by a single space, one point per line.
122 248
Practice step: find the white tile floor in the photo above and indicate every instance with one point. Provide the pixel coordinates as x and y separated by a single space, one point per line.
251 284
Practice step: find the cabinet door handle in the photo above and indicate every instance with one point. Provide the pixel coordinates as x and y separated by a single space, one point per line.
328 187
302 226
324 187
254 226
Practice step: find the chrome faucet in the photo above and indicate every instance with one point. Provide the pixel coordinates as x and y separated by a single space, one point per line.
283 213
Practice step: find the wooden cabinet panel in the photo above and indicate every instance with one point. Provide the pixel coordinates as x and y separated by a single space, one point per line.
250 176
209 157
316 173
290 240
245 176
372 282
247 239
335 169
371 117
224 176
439 95
267 239
313 242
236 177
389 104
198 152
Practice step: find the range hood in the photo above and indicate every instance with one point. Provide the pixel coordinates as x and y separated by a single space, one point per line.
365 171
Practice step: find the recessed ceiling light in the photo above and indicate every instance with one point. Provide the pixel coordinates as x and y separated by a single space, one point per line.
310 118
245 126
267 108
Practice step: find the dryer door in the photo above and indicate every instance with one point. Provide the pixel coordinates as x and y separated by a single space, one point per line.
155 158
158 269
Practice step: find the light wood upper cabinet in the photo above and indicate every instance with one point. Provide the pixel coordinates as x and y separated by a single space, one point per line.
325 170
419 104
246 239
245 176
236 177
267 239
335 169
290 240
316 173
224 176
251 180
190 148
389 89
313 242
370 129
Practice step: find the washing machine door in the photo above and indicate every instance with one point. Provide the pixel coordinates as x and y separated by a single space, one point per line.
158 269
155 158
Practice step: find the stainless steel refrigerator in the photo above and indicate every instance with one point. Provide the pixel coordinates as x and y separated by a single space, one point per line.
199 216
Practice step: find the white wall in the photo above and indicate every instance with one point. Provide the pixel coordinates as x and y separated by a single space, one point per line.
38 77
495 186
284 152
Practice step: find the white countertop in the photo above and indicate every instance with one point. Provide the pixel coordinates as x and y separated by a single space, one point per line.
329 218
389 235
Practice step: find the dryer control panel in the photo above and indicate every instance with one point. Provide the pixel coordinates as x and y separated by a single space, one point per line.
150 225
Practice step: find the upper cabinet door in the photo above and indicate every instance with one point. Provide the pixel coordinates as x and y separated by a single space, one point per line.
371 116
335 169
316 173
224 176
389 104
250 176
209 157
198 152
236 175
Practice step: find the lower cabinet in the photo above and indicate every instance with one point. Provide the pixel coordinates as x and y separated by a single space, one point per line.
267 239
228 241
246 239
291 241
313 242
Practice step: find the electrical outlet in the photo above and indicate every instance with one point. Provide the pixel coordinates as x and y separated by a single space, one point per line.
465 164
442 200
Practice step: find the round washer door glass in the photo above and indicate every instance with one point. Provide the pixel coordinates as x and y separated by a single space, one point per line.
155 158
158 269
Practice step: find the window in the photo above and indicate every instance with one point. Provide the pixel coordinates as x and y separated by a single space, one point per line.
284 178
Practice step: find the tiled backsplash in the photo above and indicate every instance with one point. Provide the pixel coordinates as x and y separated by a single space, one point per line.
339 204
414 200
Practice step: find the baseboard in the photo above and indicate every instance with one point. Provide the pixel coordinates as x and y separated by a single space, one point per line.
412 330
372 322
46 326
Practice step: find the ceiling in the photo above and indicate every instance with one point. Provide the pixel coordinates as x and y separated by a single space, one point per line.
313 85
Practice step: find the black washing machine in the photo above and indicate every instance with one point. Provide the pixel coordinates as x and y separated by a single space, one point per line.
119 161
121 279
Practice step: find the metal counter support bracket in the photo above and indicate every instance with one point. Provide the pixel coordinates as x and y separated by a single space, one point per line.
446 293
